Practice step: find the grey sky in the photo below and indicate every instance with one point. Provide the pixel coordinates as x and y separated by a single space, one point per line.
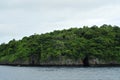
19 18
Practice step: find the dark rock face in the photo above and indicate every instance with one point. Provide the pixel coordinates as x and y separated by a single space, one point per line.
34 59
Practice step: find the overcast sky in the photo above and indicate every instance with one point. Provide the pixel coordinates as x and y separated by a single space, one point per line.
19 18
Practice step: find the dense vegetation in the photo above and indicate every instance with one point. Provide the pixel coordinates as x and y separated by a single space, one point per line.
63 46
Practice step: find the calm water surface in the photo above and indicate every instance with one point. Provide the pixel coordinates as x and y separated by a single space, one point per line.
63 73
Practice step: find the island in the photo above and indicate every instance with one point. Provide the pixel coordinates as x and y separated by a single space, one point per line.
84 46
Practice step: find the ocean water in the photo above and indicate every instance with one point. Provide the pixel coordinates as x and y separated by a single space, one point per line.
59 73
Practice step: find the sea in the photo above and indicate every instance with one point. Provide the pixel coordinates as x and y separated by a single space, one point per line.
59 73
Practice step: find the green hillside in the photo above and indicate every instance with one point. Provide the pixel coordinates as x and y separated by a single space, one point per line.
65 47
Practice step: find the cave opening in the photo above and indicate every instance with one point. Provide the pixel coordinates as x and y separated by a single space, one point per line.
86 61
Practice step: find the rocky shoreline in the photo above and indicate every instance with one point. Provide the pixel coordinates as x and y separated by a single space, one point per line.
63 65
86 62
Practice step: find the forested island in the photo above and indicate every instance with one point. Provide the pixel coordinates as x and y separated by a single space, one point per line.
95 45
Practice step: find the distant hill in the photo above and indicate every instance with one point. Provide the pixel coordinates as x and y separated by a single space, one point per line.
75 46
